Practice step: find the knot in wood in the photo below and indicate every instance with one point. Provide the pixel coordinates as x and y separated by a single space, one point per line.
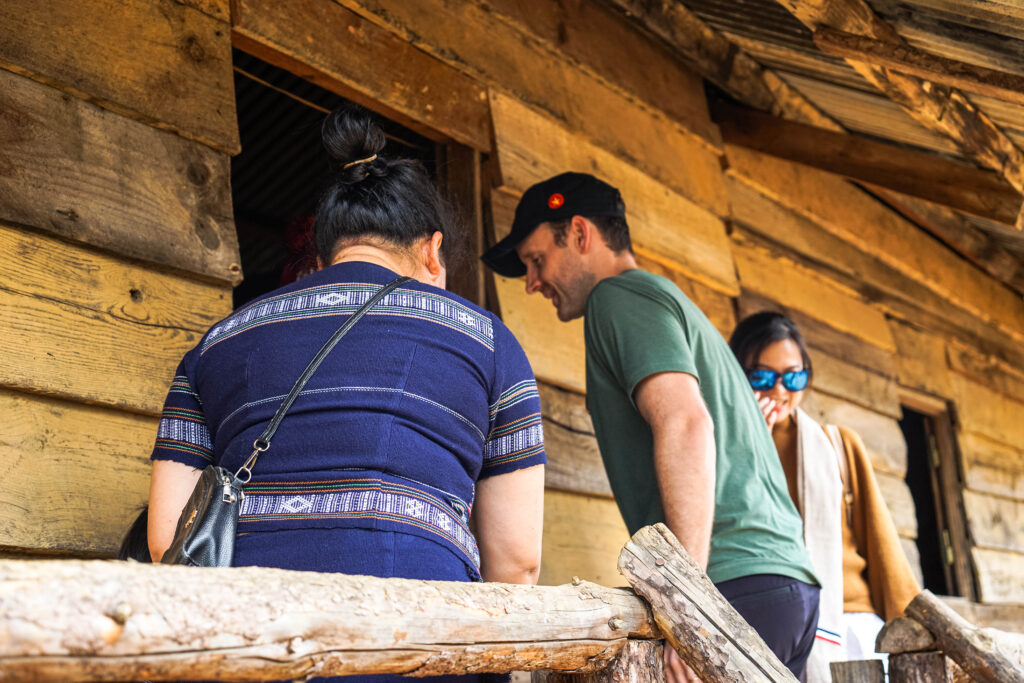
121 613
659 561
616 623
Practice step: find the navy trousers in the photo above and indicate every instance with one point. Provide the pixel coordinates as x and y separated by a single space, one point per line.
783 611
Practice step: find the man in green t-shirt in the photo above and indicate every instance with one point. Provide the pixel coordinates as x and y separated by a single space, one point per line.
680 432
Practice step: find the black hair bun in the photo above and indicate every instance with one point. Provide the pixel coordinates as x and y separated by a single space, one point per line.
349 135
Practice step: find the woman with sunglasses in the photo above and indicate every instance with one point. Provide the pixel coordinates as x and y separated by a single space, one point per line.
849 533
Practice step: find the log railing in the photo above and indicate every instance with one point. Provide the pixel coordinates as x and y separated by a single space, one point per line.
115 621
96 620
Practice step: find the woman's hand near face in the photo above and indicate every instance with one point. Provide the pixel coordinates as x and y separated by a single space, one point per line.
767 406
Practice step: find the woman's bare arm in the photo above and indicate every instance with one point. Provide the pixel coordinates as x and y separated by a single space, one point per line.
170 486
509 517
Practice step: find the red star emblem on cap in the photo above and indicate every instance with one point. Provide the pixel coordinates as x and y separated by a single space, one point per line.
555 201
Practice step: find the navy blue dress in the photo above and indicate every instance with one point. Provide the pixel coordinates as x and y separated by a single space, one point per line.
374 468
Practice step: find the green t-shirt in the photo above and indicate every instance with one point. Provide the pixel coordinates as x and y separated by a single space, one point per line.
639 324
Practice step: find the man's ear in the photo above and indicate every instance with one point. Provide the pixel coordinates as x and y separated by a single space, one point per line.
582 234
320 263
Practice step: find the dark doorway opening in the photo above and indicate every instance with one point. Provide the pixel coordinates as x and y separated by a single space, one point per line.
277 179
934 479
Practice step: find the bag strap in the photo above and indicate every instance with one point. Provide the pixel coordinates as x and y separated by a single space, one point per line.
836 437
262 443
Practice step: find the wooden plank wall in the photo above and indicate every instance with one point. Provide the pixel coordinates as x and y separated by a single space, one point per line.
886 308
116 122
119 209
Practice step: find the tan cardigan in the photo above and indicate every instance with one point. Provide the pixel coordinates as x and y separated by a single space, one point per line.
889 577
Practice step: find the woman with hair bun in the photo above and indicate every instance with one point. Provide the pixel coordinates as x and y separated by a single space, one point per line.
424 415
865 576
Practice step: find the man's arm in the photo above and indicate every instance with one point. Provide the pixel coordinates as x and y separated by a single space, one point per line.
684 456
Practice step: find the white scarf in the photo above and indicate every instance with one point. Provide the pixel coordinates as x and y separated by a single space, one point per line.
821 489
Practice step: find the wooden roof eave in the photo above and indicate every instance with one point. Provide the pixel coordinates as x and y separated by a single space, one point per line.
730 67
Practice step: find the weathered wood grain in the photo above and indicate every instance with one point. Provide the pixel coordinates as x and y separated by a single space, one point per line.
943 110
62 349
973 649
664 224
934 68
851 383
823 337
709 635
986 369
574 460
92 621
921 667
962 235
910 172
849 213
161 62
921 359
582 538
719 60
992 467
776 227
639 660
555 349
74 475
881 434
86 174
48 268
904 634
1000 575
509 57
900 503
625 58
802 288
1005 617
984 411
995 522
327 44
863 671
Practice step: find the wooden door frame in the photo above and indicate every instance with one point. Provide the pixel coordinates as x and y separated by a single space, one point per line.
947 484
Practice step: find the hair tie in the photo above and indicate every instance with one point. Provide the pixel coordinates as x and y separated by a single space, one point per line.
359 161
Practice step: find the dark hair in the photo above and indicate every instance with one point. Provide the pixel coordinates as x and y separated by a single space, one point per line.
613 229
757 332
135 545
376 198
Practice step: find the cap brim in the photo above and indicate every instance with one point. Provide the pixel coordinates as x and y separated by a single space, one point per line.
503 259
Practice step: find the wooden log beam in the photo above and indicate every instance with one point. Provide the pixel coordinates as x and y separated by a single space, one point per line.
721 61
640 660
909 60
710 636
939 108
904 634
910 172
117 621
327 44
925 667
974 649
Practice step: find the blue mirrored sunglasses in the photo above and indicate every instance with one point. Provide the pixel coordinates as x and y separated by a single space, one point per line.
764 380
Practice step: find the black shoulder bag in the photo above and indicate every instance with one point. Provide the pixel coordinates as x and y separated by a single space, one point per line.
205 535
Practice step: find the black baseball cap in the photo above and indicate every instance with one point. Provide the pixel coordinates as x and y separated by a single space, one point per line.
563 196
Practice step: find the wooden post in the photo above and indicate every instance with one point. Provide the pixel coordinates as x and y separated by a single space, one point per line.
116 621
858 671
696 620
975 650
639 661
921 667
460 171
